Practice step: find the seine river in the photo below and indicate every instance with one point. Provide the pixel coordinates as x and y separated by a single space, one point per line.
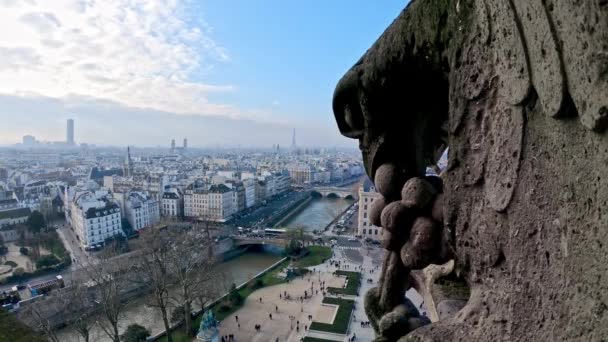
316 215
238 270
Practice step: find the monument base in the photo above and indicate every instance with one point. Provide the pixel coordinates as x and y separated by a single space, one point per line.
211 335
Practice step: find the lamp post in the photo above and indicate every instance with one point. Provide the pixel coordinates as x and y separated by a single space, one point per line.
291 318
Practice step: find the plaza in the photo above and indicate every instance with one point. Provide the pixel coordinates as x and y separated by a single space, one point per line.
283 326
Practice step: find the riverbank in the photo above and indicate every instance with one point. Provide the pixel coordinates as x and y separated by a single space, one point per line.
226 305
317 213
295 209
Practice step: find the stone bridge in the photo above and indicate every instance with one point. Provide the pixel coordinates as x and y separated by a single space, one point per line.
247 240
328 191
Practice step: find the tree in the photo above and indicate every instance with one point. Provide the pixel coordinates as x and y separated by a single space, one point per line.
108 276
214 289
297 234
35 222
154 268
135 333
46 261
192 263
293 248
42 315
80 304
3 248
71 305
177 316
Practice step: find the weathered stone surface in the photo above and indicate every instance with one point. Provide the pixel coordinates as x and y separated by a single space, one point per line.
397 218
519 91
417 193
449 307
375 211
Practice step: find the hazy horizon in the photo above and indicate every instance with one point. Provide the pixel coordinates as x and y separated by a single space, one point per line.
145 72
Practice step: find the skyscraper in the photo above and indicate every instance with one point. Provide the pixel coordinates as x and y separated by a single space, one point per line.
185 143
293 139
172 145
70 132
128 166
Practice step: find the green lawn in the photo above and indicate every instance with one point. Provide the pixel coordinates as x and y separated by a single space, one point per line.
316 255
352 286
52 242
268 279
340 324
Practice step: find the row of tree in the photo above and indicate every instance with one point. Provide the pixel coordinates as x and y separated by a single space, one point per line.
175 265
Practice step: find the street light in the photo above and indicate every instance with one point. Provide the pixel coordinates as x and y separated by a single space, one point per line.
291 319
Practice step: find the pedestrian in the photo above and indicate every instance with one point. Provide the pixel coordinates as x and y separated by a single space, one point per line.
239 324
237 318
270 315
276 308
260 299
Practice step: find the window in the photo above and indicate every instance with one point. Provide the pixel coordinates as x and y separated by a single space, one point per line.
365 207
376 232
364 215
364 223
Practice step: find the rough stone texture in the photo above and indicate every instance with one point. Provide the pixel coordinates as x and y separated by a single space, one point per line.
449 307
519 91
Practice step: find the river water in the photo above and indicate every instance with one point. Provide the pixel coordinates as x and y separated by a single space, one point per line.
318 213
237 271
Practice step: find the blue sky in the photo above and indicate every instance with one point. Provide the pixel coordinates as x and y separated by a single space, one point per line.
208 70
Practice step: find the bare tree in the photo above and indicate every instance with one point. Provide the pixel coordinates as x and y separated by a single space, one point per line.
205 223
192 264
77 303
155 269
108 279
214 289
70 306
43 315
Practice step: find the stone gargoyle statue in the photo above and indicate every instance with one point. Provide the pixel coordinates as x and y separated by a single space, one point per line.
518 91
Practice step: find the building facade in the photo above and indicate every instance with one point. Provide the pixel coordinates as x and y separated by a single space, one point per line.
172 203
94 216
214 202
141 210
367 195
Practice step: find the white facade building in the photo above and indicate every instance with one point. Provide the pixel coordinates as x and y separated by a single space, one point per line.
214 202
141 210
94 216
249 185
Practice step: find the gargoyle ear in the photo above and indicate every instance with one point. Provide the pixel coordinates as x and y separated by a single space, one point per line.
489 123
584 55
567 58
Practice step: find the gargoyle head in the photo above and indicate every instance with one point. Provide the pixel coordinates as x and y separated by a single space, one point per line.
486 78
394 100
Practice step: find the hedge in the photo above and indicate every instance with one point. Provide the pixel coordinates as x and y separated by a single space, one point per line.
340 324
352 285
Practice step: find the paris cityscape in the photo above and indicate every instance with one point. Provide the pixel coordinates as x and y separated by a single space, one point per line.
281 219
318 171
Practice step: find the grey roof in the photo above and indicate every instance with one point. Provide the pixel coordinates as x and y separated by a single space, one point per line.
15 213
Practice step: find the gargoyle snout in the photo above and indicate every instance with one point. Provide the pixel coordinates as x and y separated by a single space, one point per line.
347 110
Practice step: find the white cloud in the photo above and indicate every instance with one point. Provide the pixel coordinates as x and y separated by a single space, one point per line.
138 53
